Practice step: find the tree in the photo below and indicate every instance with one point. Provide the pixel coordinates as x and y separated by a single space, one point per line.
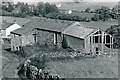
87 10
46 8
18 4
104 13
41 8
50 8
96 17
25 8
114 12
4 7
10 8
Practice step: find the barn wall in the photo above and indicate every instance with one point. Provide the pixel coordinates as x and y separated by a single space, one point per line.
42 37
87 44
15 42
28 38
3 33
45 37
75 43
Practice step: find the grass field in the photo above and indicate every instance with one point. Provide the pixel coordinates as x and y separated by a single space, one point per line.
83 5
85 68
84 14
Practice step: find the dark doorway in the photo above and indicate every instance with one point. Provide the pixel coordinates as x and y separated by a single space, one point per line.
97 50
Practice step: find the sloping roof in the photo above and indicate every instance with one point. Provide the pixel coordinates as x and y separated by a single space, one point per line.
78 30
43 23
5 25
17 20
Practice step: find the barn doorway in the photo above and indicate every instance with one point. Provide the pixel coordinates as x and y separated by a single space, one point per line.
97 50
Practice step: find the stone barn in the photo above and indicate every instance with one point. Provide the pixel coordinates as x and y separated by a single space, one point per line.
41 30
66 34
5 33
87 40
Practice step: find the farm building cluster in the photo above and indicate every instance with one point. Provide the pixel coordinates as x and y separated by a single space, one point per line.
66 34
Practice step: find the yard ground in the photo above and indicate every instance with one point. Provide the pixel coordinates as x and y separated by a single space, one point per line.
101 67
9 65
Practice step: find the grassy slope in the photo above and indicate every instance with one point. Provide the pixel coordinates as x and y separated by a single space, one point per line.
83 5
85 68
9 65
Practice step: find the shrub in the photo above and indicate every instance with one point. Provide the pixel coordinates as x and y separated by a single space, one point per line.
21 53
39 61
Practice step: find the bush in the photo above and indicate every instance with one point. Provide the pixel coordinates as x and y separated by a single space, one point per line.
39 61
21 53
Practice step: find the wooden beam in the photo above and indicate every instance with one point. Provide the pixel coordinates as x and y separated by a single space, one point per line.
105 38
112 42
55 38
97 35
102 42
110 45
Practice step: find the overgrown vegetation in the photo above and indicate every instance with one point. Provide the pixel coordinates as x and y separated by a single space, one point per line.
21 53
105 13
114 30
39 61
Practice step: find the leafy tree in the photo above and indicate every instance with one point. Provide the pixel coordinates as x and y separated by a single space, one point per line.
18 4
25 8
41 8
87 10
114 12
96 17
46 8
114 30
10 8
4 7
50 8
103 13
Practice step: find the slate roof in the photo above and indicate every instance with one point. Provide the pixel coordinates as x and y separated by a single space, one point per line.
78 30
19 21
45 24
5 25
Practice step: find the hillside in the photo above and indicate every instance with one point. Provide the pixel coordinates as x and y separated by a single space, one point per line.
83 5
